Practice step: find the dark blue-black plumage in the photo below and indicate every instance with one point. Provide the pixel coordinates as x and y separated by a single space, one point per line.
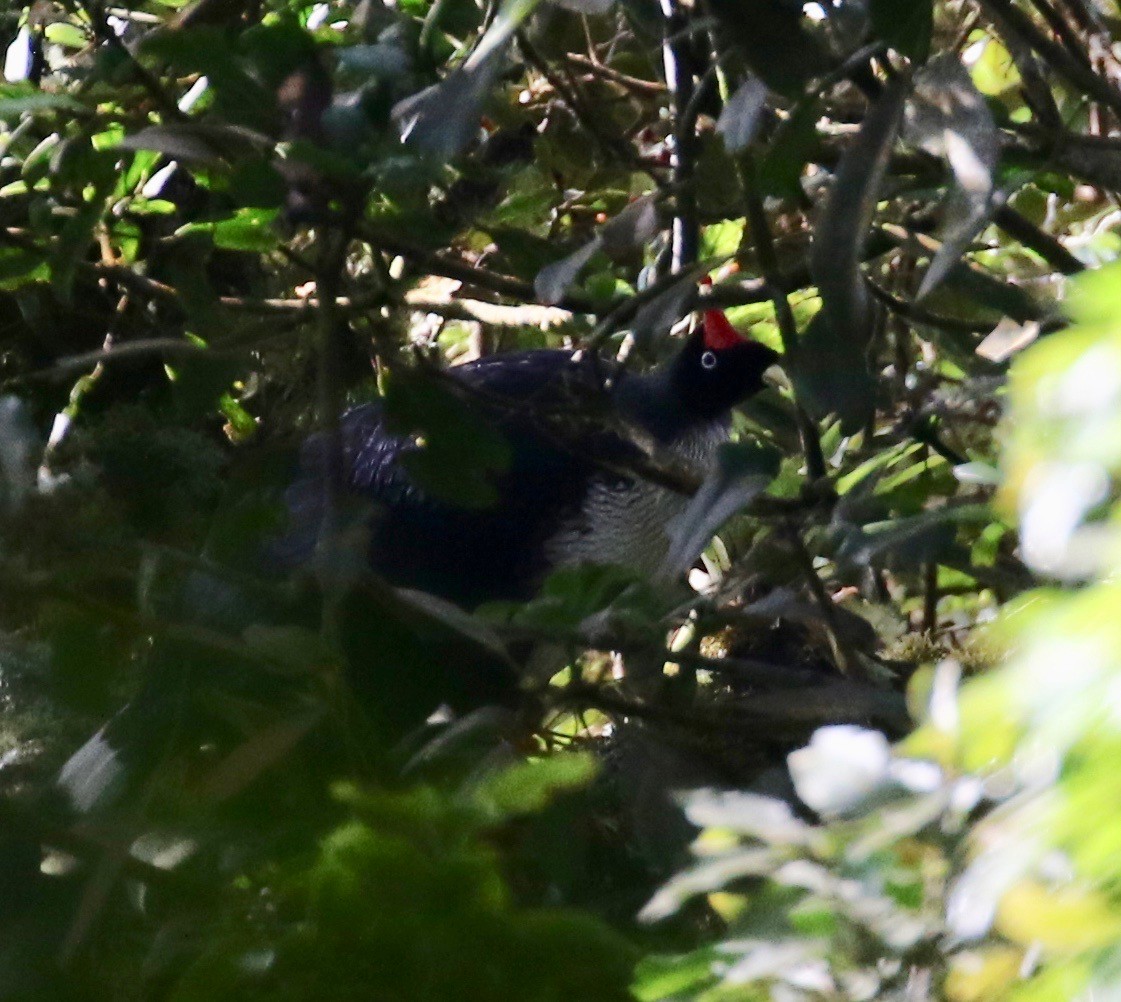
565 495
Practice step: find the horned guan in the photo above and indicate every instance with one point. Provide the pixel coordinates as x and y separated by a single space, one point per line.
567 495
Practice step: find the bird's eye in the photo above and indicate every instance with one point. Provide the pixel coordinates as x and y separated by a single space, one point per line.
708 360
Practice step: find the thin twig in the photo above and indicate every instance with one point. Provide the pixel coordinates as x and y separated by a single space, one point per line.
915 314
930 597
103 32
1058 24
1044 244
760 230
846 663
614 145
644 88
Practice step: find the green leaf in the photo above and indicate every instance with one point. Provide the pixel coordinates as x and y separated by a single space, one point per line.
661 977
794 142
459 453
910 542
250 229
21 267
19 98
201 379
211 51
830 377
529 786
73 244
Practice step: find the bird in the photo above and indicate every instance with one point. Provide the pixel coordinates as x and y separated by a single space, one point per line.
566 496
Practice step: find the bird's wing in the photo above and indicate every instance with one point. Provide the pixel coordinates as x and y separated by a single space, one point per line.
466 554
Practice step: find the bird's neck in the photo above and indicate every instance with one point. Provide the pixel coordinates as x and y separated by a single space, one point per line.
654 402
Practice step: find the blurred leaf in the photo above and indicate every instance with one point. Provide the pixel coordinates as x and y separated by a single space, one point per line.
773 38
209 50
200 379
831 376
554 280
461 452
528 786
441 120
1065 919
20 56
300 649
451 615
721 240
383 59
660 977
745 813
948 118
992 293
741 116
262 751
840 769
251 230
742 473
909 542
198 142
73 244
86 654
1007 338
590 7
509 18
18 266
656 316
634 227
20 98
19 446
842 232
573 597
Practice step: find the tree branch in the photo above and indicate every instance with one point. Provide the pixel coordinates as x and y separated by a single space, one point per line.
679 80
1010 19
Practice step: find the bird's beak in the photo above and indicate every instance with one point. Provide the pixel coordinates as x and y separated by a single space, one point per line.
775 377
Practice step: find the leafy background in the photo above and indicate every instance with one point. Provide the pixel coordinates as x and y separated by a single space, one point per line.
890 681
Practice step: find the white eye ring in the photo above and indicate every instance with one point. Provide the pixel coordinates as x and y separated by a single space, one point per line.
708 360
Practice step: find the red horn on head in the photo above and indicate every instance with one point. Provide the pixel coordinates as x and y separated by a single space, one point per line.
719 332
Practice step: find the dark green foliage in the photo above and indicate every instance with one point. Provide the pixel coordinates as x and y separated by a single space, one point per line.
222 223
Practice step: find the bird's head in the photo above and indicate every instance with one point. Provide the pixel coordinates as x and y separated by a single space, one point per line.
718 367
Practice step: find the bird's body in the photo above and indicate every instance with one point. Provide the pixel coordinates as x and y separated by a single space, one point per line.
566 496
